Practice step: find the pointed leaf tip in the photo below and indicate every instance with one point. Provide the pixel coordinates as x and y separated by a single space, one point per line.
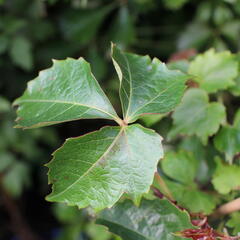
146 86
67 91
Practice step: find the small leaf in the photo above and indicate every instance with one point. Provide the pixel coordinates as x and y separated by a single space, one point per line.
81 25
233 222
181 65
203 119
182 168
3 42
174 4
214 71
97 168
191 198
175 166
67 91
16 178
196 35
146 86
228 142
153 220
122 31
150 120
5 106
6 160
226 177
21 53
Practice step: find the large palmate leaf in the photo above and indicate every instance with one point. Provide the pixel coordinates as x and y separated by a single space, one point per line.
153 220
203 119
214 71
146 86
226 177
97 168
66 91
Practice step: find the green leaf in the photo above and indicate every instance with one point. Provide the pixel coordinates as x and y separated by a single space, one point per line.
66 91
150 120
174 4
233 222
227 141
153 220
203 119
82 25
97 168
181 65
175 166
98 232
6 160
235 90
201 154
3 43
226 177
182 168
214 71
66 214
16 178
146 86
5 106
222 14
21 53
196 35
122 31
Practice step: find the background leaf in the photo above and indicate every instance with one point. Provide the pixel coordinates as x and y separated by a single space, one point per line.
214 71
183 186
205 117
226 177
21 53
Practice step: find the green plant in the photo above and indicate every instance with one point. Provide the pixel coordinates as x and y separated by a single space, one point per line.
119 162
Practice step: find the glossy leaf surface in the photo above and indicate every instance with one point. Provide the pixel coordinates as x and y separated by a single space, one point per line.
146 86
66 91
214 71
153 220
196 116
97 168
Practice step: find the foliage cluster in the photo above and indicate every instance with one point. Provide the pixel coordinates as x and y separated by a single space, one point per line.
200 137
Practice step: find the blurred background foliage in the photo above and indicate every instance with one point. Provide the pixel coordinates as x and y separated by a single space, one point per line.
32 32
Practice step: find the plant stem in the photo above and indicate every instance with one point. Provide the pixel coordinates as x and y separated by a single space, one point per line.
163 187
229 207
